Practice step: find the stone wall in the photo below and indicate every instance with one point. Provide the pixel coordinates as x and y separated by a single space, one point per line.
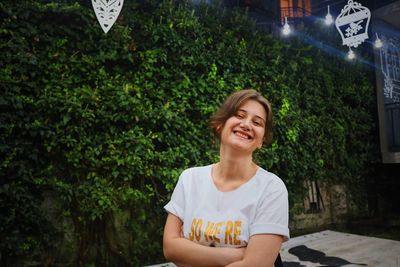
333 209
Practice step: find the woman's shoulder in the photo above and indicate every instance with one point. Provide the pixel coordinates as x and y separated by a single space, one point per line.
196 172
271 179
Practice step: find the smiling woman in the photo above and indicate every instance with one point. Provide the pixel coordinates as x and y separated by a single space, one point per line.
233 212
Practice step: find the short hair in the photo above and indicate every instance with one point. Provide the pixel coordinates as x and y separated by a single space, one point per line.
232 105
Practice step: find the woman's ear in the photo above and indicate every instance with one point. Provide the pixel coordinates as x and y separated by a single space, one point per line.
218 130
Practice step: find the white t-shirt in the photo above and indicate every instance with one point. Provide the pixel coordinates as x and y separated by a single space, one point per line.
228 219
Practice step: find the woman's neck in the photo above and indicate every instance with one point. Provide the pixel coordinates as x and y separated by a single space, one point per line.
235 166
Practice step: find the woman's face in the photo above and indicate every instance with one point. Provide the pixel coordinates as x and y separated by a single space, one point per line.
245 129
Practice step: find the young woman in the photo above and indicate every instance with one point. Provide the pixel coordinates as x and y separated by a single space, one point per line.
233 212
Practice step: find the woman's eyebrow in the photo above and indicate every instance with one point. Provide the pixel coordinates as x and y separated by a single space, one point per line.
245 111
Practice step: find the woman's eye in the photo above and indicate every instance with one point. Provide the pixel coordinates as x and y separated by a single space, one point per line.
240 116
257 123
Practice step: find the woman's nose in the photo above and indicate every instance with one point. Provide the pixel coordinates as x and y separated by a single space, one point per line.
245 124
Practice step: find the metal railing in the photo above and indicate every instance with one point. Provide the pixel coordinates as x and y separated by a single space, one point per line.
294 13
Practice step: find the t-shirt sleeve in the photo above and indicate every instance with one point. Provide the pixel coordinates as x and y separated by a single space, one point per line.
176 205
272 216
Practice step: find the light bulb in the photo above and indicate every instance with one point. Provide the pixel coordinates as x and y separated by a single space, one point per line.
378 43
328 18
286 28
350 54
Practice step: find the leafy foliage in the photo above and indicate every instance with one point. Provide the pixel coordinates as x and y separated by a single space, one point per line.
107 122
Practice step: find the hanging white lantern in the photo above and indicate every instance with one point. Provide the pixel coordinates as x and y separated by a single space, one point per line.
107 12
352 23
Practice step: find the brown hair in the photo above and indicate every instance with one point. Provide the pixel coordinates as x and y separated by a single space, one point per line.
232 105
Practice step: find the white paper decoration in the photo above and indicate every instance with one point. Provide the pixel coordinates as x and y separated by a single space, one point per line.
352 24
107 12
390 60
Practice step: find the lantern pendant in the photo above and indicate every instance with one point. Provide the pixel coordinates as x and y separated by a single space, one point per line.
352 23
107 12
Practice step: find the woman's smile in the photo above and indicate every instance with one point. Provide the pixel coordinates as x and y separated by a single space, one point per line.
242 135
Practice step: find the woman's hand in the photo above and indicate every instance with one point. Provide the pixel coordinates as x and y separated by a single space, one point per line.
237 254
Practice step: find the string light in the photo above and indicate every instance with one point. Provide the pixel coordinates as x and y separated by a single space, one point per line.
350 54
328 18
286 28
378 43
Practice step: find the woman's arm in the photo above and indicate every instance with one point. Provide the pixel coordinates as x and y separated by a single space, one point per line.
184 252
262 250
